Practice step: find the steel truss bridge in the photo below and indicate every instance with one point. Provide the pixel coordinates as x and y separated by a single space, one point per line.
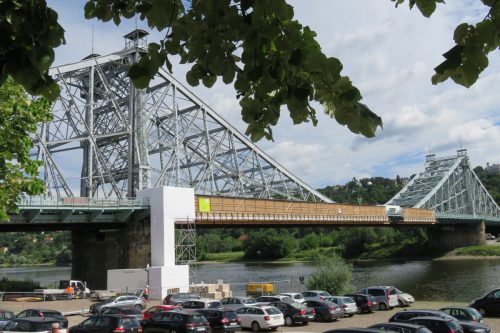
107 140
450 187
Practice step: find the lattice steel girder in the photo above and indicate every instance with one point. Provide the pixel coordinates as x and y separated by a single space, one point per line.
123 139
448 185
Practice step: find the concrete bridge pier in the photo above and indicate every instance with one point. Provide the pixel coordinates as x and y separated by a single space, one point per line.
97 251
448 237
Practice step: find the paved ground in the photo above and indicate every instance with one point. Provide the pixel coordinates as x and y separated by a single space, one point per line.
361 320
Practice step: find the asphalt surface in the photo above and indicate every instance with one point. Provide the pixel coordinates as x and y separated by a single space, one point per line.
77 311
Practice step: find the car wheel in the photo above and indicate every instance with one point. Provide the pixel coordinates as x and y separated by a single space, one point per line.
350 315
383 306
172 330
138 307
255 326
400 303
288 321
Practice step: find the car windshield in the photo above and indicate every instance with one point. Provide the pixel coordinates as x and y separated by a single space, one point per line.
214 305
298 306
230 315
111 299
129 322
324 293
272 311
249 301
475 314
399 291
287 299
348 300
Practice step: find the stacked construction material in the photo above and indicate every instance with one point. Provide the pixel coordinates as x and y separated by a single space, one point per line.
216 291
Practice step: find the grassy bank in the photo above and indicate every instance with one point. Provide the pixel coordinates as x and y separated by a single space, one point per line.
479 250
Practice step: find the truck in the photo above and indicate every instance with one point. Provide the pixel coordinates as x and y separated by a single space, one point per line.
81 290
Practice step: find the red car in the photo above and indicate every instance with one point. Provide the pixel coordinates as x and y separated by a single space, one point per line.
157 309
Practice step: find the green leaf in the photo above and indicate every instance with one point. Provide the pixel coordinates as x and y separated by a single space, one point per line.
426 7
209 80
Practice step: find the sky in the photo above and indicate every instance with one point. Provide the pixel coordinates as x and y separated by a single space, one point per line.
389 53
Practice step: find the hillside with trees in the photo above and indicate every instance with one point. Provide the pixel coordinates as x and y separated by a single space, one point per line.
491 181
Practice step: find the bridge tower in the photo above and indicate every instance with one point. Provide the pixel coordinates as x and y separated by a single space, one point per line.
461 202
108 140
126 139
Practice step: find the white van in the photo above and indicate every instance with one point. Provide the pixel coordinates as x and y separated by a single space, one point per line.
386 296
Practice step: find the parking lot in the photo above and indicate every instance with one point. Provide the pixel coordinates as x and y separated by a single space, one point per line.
361 320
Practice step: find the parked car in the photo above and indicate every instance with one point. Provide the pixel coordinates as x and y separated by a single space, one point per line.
355 330
234 303
131 311
32 324
222 321
385 295
124 300
346 303
295 312
438 324
202 303
5 316
488 236
315 295
257 318
263 300
179 298
404 299
179 321
44 313
401 328
489 304
463 313
406 315
157 309
467 326
108 324
297 297
325 310
365 303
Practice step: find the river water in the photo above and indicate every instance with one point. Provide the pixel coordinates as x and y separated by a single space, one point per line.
453 280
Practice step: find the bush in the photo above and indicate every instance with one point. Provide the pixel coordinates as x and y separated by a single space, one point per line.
333 275
14 285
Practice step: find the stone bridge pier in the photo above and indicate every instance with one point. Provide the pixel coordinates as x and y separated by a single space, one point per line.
97 251
445 237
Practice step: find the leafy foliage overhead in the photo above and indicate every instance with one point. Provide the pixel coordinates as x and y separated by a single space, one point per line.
272 59
29 34
18 118
469 57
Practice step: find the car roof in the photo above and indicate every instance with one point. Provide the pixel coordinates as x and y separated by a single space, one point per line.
430 318
37 319
408 325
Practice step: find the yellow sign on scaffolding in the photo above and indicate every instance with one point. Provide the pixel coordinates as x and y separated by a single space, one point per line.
204 205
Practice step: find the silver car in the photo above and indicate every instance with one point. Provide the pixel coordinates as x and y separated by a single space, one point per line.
345 303
202 303
297 297
119 301
234 303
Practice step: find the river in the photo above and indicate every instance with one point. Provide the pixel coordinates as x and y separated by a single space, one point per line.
453 280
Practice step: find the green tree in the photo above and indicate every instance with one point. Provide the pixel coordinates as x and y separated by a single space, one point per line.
19 116
333 274
268 245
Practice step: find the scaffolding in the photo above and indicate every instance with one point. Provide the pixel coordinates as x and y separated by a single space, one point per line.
185 246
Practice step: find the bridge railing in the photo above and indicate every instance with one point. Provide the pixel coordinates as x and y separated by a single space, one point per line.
288 217
465 217
80 202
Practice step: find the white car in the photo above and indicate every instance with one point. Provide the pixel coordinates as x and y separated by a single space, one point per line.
404 299
32 324
297 297
263 317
